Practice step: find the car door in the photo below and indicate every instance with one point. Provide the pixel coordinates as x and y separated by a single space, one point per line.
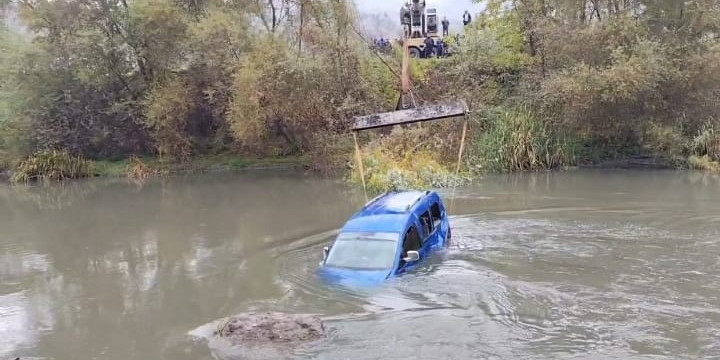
437 213
429 233
411 241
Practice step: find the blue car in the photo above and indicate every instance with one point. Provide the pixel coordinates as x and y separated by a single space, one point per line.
387 237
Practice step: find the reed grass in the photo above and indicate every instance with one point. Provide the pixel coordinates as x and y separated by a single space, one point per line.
517 140
705 148
707 141
704 163
52 166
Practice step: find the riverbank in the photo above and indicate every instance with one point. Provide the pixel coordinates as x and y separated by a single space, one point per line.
199 165
152 166
377 179
634 162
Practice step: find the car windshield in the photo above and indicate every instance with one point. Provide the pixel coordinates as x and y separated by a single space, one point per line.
364 251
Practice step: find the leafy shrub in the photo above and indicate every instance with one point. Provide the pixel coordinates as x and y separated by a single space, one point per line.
52 165
664 140
167 114
668 142
278 100
610 100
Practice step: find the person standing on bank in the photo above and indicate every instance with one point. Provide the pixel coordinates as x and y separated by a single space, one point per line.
466 18
446 26
429 46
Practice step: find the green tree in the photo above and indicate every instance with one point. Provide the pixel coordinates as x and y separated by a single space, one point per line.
167 114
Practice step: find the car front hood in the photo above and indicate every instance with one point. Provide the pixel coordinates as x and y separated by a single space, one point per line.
353 277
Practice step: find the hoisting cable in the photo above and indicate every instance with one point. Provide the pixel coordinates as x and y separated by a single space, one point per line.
360 164
462 146
459 161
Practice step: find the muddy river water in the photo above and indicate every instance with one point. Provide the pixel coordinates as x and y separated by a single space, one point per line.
574 265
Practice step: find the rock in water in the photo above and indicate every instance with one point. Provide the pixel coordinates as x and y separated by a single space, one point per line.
255 328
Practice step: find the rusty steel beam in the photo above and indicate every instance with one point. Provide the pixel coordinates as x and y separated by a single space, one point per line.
436 111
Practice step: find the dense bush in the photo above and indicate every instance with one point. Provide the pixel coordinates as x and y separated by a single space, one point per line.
668 142
618 78
167 114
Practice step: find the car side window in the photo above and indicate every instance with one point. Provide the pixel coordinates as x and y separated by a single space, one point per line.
436 214
411 242
427 224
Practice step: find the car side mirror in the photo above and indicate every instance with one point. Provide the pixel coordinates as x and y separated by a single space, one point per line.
412 256
326 250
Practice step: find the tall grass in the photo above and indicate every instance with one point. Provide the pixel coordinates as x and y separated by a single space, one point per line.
706 148
517 140
703 163
707 142
51 166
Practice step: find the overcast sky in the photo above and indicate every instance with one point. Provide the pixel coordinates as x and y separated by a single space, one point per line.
453 9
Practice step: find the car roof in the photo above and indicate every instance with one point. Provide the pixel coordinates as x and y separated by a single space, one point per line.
389 212
394 202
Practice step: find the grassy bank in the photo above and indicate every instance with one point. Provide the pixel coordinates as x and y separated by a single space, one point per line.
55 166
199 164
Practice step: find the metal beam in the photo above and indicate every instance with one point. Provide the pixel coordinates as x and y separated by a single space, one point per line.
438 111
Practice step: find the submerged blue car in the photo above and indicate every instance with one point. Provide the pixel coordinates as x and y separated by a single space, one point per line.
388 236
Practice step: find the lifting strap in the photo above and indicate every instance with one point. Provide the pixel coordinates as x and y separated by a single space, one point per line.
358 157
